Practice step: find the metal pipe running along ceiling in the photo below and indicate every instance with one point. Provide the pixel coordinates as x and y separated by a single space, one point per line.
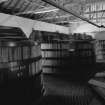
72 12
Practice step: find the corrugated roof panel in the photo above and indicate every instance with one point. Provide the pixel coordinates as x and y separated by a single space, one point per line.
13 3
30 7
19 4
25 6
7 3
3 1
34 8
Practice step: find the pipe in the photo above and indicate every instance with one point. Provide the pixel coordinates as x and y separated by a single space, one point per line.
71 12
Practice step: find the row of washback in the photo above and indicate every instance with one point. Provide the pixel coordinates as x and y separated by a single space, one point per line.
79 36
43 36
63 53
74 55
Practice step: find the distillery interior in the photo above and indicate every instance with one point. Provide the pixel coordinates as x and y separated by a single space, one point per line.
52 52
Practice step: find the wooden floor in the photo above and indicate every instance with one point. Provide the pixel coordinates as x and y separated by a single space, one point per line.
64 91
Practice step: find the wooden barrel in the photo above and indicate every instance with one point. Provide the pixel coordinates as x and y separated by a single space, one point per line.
53 55
20 68
84 52
100 51
82 66
75 58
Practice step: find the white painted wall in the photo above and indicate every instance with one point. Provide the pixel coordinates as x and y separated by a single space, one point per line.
84 27
100 35
27 24
50 27
15 21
